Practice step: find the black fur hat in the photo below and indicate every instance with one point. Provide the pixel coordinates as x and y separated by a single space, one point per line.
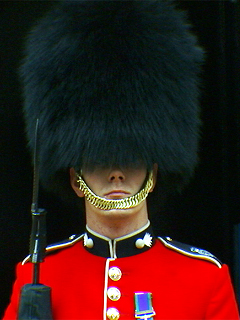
113 83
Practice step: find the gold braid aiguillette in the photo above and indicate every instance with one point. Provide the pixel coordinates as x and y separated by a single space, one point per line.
109 204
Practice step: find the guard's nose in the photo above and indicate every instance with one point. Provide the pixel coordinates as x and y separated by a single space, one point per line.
116 175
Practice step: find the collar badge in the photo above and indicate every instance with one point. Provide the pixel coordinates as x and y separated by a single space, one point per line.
146 241
88 242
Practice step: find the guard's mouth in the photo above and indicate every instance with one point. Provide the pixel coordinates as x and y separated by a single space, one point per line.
116 194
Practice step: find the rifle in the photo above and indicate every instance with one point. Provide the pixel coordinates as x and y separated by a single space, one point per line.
35 299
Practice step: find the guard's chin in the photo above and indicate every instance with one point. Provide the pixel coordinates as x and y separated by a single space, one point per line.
119 213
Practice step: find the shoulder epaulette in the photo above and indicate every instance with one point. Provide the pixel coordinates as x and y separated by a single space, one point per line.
190 251
58 246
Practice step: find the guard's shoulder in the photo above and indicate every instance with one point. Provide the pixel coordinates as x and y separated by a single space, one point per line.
190 251
59 245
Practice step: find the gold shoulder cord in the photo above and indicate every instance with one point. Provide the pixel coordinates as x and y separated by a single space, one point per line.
109 204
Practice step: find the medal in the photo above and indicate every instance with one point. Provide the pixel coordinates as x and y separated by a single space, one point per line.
143 306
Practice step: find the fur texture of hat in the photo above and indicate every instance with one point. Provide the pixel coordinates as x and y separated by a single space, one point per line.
113 83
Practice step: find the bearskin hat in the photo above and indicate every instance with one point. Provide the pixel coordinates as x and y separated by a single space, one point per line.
113 83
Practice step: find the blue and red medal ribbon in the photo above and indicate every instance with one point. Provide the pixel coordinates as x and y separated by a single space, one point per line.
143 306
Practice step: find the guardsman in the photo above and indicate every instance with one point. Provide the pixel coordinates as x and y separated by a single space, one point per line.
114 85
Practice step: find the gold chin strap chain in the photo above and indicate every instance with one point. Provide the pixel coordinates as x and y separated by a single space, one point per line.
109 204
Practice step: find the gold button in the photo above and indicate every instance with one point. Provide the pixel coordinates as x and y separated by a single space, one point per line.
115 273
89 243
139 243
113 294
113 314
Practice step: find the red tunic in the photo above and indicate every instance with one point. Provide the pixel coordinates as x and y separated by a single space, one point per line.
182 287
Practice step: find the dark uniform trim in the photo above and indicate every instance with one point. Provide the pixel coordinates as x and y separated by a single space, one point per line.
57 246
120 247
190 251
126 246
105 247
